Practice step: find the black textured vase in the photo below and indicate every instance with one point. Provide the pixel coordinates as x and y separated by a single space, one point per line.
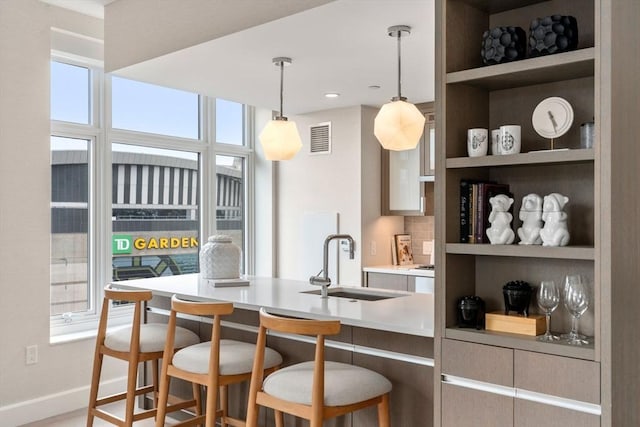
503 44
517 295
553 34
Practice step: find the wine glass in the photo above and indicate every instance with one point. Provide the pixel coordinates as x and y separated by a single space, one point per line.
576 300
548 300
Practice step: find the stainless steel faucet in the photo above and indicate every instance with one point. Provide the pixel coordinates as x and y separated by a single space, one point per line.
322 279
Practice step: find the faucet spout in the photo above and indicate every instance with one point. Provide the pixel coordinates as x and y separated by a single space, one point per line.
322 279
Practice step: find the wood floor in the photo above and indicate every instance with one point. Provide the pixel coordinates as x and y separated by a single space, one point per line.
79 419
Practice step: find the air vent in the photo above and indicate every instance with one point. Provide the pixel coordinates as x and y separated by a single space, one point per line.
320 137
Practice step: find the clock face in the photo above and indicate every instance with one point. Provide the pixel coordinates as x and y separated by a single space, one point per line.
552 117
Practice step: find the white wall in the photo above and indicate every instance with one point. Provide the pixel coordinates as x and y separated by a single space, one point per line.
346 181
59 382
321 183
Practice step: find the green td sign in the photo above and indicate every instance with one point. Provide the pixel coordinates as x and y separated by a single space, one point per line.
121 244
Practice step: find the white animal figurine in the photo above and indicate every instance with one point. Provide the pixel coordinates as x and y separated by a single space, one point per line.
531 217
500 232
554 232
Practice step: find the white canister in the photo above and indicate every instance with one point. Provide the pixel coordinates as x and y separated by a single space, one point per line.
510 142
220 258
477 142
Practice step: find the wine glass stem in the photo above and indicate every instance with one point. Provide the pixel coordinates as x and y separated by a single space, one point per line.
574 326
548 321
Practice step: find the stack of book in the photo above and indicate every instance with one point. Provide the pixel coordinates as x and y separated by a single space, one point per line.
475 208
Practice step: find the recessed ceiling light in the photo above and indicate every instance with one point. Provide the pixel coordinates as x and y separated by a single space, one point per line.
374 87
332 95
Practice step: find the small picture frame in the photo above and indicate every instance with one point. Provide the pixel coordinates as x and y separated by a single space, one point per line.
403 249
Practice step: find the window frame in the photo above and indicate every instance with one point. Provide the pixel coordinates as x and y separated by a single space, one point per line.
101 136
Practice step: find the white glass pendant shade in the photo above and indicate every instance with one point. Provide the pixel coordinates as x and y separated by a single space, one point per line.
399 126
280 140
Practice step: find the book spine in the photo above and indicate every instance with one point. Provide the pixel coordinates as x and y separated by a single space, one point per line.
479 222
394 251
464 211
473 203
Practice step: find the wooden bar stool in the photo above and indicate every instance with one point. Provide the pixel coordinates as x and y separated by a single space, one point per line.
133 344
214 364
316 390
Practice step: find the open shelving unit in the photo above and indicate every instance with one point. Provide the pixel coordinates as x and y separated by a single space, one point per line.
600 84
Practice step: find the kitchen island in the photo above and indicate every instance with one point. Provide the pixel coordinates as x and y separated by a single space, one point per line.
393 336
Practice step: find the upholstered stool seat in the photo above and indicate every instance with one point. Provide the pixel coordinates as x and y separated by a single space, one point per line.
236 357
214 364
343 384
315 390
152 338
133 344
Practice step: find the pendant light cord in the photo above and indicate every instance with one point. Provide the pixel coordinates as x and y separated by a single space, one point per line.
281 85
399 66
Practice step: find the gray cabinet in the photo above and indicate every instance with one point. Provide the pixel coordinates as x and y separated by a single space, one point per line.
520 388
464 407
407 176
396 282
399 282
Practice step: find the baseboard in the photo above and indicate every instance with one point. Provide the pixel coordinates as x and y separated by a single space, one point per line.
51 405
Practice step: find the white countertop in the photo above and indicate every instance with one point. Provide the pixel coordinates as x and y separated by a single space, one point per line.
411 313
407 270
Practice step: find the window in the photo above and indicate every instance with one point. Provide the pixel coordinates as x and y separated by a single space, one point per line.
229 122
70 290
70 93
155 214
146 175
155 109
230 187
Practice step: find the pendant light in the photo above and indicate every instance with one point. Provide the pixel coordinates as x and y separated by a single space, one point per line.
399 125
280 138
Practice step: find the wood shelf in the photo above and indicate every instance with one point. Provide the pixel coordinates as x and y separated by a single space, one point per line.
526 251
520 342
530 158
526 72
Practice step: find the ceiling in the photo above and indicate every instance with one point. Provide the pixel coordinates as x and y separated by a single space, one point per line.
341 47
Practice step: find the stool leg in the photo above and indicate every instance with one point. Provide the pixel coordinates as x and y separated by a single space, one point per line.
156 382
224 404
212 402
132 379
95 381
279 419
197 397
383 412
162 399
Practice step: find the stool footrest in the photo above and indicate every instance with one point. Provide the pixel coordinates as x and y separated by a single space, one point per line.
120 396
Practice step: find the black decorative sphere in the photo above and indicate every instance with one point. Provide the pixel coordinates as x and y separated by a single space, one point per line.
503 44
553 34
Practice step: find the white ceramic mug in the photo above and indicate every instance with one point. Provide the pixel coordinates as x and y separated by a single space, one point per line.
510 142
477 142
495 141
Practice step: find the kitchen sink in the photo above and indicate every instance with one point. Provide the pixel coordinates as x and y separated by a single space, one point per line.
360 294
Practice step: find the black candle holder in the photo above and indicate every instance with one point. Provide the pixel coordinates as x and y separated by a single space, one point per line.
503 44
471 312
553 34
517 295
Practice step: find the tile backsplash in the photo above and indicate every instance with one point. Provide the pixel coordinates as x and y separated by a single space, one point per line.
421 229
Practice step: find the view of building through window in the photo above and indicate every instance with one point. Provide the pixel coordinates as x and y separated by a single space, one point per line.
155 191
155 215
69 225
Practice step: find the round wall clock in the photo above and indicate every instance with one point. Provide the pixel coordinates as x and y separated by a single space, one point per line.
552 117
